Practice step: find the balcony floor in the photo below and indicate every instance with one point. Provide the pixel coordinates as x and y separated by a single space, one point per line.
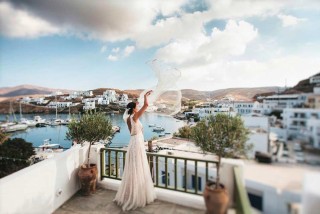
101 202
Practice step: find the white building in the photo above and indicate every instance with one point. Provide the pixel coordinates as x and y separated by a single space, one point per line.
59 104
301 123
89 100
205 111
89 105
316 89
77 94
25 100
315 79
40 101
56 93
259 133
103 101
123 100
111 95
280 102
243 107
313 125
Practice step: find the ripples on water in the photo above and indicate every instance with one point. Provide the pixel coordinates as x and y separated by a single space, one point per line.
57 134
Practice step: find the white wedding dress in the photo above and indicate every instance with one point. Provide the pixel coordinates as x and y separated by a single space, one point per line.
136 189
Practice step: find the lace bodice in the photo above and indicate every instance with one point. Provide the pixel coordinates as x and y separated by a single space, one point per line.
136 127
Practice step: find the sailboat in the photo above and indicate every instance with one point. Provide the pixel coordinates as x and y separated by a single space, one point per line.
56 121
29 123
13 126
68 120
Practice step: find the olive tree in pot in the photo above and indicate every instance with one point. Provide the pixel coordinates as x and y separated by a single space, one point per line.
225 136
92 127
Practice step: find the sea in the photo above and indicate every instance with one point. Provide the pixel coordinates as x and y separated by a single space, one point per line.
57 134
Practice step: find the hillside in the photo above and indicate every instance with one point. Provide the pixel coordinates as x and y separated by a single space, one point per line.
304 86
245 94
27 90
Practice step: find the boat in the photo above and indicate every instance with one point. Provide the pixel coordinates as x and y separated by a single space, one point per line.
38 119
158 129
152 125
29 123
161 135
41 125
68 120
56 122
115 129
14 127
46 150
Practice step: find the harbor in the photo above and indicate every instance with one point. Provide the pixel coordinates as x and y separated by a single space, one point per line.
57 133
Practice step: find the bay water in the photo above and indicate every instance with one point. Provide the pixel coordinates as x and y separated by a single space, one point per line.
57 134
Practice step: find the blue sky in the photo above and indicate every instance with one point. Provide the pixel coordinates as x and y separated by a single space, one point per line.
214 43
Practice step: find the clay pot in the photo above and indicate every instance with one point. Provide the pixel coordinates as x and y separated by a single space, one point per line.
88 178
216 200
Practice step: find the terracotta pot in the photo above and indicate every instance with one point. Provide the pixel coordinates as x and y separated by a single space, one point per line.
216 200
88 178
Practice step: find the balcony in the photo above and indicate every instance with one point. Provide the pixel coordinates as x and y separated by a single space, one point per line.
101 202
52 185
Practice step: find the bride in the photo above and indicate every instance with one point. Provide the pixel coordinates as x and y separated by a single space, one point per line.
136 189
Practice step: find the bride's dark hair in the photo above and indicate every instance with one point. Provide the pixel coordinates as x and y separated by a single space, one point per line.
131 106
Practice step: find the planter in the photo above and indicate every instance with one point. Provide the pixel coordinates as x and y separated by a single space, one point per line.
216 200
88 178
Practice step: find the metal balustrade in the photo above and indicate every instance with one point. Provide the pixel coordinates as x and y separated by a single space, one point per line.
188 173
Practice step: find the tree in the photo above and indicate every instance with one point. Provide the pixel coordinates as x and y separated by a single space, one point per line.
14 155
222 135
92 127
184 132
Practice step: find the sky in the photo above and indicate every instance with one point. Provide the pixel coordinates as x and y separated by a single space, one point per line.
215 44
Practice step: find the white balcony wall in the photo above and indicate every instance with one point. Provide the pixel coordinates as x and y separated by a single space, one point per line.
45 186
311 193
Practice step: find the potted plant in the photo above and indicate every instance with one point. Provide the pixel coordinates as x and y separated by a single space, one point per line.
225 136
92 127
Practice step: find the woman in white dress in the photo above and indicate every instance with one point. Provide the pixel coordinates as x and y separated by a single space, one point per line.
136 189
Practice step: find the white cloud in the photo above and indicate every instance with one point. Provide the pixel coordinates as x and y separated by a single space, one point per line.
249 73
115 50
118 53
206 49
128 50
20 23
103 49
97 19
112 57
288 20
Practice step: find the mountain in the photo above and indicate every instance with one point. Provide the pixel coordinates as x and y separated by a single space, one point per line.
244 94
23 90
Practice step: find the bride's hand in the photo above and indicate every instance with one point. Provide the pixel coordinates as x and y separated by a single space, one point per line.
148 93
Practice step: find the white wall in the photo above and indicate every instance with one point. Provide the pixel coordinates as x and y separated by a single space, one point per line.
35 189
311 194
260 143
273 200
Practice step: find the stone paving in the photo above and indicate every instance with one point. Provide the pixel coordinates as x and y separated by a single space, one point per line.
101 202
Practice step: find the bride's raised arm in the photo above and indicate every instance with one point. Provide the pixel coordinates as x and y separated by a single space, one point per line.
144 107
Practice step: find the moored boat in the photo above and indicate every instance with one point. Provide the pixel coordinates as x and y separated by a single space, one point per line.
158 129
